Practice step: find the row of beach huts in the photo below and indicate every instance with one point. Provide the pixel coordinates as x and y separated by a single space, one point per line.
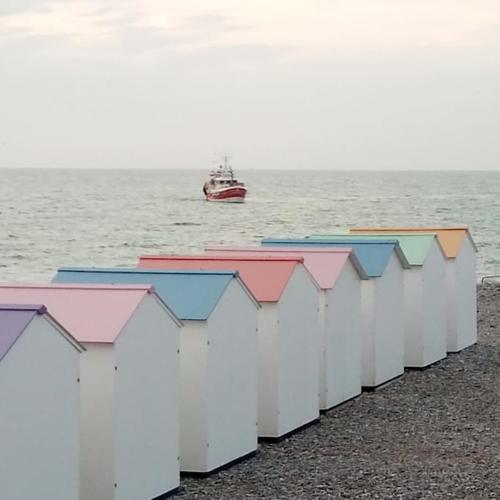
113 381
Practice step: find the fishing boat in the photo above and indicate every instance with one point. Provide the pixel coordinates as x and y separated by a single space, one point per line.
223 185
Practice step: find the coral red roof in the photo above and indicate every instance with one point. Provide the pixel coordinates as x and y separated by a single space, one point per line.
324 264
265 276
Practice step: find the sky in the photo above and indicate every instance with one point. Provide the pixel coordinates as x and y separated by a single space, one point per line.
313 84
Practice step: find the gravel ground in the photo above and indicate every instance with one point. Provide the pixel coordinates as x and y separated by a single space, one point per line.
432 434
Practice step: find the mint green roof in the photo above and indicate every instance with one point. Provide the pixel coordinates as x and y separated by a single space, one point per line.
415 246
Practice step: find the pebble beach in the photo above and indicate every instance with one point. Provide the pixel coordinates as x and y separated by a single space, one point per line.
432 434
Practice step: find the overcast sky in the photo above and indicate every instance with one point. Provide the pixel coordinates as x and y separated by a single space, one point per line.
332 84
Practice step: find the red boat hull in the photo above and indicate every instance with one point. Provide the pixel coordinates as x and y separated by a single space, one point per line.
234 194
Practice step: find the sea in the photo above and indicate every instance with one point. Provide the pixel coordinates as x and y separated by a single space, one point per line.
51 218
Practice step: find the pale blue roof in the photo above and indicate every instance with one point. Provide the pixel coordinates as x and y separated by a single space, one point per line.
191 295
373 254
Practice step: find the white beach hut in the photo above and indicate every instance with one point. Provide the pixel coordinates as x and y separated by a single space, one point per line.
218 363
461 281
40 406
425 297
382 303
337 273
288 334
129 432
460 252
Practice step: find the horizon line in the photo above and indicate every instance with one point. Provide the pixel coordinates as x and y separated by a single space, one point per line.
243 169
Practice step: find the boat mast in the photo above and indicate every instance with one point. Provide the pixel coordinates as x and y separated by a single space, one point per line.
227 168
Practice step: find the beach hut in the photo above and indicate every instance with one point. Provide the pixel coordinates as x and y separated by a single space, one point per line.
382 303
460 252
337 273
40 406
288 335
218 363
425 297
129 420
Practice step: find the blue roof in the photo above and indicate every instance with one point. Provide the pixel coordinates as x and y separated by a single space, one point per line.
373 254
192 295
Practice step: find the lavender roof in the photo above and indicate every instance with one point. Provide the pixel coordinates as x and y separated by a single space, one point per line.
13 321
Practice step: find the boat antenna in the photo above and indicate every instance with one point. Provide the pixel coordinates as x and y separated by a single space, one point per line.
227 167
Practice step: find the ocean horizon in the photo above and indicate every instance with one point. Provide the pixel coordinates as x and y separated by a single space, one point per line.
52 217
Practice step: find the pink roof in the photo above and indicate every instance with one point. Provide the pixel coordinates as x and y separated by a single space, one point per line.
324 264
265 276
90 313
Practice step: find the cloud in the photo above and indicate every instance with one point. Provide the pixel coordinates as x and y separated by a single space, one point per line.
78 22
345 25
310 26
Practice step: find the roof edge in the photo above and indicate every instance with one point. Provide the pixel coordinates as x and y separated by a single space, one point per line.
263 249
248 292
167 308
38 308
245 289
326 239
340 238
402 257
471 239
138 270
358 266
222 257
295 267
414 228
64 332
77 286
